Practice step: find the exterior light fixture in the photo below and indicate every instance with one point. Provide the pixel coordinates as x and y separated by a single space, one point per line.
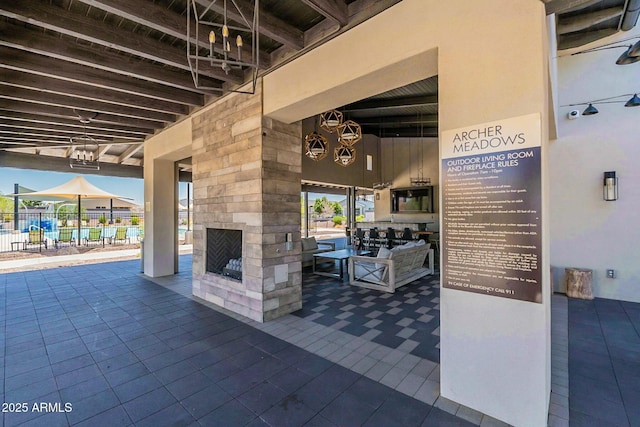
316 146
628 57
590 110
201 15
331 120
633 102
349 133
81 157
344 156
610 189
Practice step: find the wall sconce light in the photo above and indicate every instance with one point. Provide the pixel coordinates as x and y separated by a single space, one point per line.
610 189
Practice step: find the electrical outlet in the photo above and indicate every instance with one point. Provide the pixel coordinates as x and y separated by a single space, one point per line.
611 274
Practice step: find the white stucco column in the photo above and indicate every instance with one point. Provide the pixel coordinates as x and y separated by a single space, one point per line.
160 228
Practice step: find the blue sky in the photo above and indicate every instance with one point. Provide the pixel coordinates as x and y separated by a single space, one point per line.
40 180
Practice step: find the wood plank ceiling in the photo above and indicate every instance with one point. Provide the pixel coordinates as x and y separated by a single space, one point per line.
121 67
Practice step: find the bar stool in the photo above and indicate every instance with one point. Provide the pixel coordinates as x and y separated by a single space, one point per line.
374 239
359 238
407 235
391 237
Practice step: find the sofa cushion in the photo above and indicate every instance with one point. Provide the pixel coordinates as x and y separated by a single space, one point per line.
383 253
309 244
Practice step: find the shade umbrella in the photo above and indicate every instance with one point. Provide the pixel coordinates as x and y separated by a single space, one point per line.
77 188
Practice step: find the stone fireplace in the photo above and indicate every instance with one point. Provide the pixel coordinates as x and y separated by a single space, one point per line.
246 182
224 252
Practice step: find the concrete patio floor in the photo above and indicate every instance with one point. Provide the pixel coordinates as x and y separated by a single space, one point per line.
123 350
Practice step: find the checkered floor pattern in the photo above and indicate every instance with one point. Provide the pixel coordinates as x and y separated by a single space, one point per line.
408 319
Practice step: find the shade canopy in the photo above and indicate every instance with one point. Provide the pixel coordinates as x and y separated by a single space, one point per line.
78 187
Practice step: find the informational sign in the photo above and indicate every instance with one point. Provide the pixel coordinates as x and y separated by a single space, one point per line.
491 209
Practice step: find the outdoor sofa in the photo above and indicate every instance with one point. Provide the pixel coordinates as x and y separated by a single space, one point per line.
392 268
311 246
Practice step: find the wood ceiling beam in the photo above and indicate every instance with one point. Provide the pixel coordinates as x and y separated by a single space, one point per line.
67 113
129 152
19 60
62 87
271 26
564 6
10 117
102 150
335 10
60 164
65 22
568 41
66 132
160 19
584 21
78 104
34 41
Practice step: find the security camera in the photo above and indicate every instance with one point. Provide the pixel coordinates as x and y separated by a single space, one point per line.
573 114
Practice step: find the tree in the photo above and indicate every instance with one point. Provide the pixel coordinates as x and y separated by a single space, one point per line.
323 207
337 209
6 205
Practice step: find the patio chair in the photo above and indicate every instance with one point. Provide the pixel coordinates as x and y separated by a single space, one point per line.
65 235
121 235
36 237
95 235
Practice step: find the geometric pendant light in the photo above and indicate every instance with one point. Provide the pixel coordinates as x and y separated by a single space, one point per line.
344 156
316 146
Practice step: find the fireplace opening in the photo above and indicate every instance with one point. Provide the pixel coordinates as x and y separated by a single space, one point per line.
224 252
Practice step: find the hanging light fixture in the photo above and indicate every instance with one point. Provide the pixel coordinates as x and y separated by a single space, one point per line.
590 110
633 102
206 19
349 133
82 157
331 120
628 57
316 146
343 155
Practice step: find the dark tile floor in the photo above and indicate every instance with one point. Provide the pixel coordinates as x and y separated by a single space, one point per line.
408 318
604 363
122 350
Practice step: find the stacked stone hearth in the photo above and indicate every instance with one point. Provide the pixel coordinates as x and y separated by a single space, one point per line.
246 176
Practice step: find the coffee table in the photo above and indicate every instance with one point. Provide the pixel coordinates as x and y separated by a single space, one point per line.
341 255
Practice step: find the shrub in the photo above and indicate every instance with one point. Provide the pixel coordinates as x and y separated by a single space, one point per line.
337 220
135 219
360 218
118 220
102 219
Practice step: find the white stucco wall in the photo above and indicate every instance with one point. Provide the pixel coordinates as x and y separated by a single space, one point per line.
491 58
587 231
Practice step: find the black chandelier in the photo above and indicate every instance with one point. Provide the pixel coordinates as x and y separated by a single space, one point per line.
209 38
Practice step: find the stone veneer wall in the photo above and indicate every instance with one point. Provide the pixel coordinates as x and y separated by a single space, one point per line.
246 176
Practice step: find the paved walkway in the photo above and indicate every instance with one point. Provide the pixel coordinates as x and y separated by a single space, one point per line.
98 344
122 350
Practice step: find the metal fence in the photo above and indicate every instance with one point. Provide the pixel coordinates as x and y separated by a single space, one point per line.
15 230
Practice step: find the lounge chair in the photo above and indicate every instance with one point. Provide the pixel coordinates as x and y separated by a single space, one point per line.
95 235
36 237
65 235
121 235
